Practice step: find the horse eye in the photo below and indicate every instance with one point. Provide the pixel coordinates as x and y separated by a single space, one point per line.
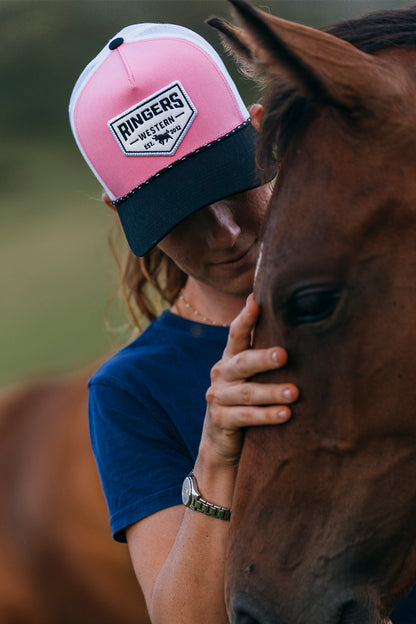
311 305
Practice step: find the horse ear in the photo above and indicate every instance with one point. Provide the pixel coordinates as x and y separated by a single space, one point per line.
323 67
235 41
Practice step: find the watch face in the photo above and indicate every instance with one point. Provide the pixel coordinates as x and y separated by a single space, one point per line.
186 491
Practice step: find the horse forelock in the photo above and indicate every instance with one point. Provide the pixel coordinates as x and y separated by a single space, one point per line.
287 110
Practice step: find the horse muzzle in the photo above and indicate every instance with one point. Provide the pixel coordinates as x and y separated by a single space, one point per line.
346 610
246 610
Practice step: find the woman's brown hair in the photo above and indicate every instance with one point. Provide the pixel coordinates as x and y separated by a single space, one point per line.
148 284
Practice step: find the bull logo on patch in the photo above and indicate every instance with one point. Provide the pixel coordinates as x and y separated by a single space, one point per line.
162 138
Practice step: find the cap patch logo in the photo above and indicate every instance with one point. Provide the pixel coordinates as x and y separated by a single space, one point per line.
157 125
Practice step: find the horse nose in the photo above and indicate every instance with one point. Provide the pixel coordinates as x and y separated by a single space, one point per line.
245 618
246 610
346 610
352 611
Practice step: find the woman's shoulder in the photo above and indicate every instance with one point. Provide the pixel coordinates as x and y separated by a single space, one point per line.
169 340
137 353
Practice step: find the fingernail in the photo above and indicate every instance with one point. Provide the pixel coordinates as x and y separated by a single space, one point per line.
274 357
287 393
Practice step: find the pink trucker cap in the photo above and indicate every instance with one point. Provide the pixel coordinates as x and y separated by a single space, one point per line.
161 124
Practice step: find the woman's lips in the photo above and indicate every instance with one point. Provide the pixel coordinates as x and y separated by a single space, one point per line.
246 257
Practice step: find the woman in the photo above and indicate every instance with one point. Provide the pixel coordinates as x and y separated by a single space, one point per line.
162 126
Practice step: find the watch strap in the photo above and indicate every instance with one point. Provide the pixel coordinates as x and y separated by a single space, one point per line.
209 509
197 503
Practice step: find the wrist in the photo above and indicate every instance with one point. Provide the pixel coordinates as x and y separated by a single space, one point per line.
193 499
215 481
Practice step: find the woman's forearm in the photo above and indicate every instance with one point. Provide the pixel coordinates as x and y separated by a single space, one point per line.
190 585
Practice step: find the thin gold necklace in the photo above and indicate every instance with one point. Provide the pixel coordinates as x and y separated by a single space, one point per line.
198 313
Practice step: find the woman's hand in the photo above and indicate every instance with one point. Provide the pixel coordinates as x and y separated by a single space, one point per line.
189 538
234 402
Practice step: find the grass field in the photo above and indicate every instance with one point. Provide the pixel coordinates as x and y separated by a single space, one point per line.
56 270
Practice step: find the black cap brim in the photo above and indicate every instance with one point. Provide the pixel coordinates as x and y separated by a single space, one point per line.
224 168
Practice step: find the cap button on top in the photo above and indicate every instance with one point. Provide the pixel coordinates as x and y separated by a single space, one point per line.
115 43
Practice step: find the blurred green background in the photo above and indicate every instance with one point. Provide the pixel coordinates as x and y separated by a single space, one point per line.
56 270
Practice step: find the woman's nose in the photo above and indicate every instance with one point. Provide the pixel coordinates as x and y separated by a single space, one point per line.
222 230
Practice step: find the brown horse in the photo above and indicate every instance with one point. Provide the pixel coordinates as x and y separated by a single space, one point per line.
58 563
323 528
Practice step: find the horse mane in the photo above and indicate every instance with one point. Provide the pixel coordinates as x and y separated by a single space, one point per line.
286 110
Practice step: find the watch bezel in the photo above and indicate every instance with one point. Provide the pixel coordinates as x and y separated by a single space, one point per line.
188 491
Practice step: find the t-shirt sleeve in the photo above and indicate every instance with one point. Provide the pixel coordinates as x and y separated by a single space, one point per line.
141 457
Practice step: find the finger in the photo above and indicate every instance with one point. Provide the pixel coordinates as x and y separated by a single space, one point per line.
233 418
252 394
239 336
247 364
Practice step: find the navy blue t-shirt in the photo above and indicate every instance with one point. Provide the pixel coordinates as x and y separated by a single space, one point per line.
146 410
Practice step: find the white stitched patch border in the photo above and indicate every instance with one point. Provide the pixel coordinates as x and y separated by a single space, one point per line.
157 125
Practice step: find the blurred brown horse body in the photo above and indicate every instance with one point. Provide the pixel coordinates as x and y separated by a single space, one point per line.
323 527
58 564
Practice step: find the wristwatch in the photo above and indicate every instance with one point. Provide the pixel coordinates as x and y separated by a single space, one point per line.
192 498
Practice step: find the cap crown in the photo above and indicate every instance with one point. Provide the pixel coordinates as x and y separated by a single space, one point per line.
155 94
